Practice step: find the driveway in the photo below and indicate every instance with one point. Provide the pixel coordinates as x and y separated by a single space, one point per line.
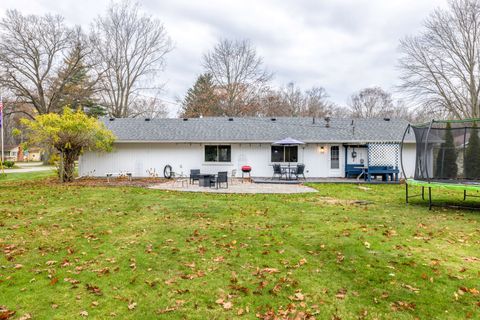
29 167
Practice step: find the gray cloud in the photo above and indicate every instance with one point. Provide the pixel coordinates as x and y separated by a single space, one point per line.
342 45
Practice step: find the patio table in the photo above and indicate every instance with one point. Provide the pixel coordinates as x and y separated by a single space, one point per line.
289 170
204 179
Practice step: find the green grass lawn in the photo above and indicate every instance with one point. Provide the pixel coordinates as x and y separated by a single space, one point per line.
69 251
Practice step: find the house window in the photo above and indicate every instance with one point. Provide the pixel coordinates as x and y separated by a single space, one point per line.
335 157
218 153
284 154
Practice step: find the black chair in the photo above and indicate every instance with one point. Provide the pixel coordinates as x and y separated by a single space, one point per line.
277 171
299 171
194 175
221 177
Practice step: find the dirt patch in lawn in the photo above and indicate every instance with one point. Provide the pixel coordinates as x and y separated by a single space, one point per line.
117 182
335 201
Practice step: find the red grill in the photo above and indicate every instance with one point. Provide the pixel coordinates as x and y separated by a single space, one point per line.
246 168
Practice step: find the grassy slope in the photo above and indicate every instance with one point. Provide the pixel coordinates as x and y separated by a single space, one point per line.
173 255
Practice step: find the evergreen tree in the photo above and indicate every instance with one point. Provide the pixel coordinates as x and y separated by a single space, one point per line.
446 164
78 90
472 155
201 100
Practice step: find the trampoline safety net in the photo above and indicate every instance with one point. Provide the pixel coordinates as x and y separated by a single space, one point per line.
448 151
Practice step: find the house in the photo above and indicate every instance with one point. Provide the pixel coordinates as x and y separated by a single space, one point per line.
17 153
225 144
11 152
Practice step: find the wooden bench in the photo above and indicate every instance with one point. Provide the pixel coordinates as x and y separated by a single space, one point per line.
385 172
353 170
119 174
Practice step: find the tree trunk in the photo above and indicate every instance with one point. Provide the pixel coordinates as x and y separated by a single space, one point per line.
67 169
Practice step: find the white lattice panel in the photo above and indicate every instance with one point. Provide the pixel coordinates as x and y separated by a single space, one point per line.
383 154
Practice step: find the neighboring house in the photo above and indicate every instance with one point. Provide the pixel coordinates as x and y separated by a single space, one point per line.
11 152
226 144
32 154
16 153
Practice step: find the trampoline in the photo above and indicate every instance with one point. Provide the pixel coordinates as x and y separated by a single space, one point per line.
447 157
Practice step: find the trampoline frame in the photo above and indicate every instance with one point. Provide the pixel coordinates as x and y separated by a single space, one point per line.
434 184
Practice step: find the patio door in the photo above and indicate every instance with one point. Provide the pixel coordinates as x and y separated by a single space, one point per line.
335 161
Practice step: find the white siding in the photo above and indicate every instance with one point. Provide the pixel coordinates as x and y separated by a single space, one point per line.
140 157
409 153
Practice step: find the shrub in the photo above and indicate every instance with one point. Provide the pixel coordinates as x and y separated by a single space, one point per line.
472 155
446 167
8 164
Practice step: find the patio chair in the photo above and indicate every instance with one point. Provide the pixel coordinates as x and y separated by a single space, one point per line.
233 176
179 178
299 171
221 177
278 171
194 175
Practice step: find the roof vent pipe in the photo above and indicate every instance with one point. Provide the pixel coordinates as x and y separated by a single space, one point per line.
112 119
327 120
147 119
313 120
230 119
185 119
273 119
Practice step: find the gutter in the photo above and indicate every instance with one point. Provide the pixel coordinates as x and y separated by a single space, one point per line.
256 142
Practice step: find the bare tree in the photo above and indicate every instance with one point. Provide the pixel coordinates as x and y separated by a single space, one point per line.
33 50
238 71
130 48
441 66
291 101
371 103
148 107
317 103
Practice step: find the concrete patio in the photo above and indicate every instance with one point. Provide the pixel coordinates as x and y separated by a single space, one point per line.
237 187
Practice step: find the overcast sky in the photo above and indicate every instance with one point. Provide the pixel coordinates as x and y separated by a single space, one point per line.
341 45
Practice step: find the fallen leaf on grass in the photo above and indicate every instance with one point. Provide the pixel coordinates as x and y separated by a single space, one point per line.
26 316
84 313
5 313
402 306
409 287
72 281
298 296
53 281
227 305
94 290
18 266
341 293
132 305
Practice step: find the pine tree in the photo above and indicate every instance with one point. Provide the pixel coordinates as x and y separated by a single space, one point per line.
78 88
446 164
472 155
201 100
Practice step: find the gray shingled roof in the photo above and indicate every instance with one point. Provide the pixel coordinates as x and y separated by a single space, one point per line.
254 129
